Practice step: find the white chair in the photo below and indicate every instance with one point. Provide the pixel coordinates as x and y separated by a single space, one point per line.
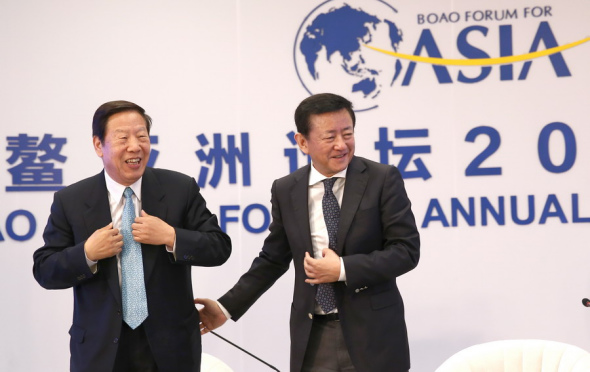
519 356
209 363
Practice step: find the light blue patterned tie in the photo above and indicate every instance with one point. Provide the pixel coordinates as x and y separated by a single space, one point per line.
132 280
325 295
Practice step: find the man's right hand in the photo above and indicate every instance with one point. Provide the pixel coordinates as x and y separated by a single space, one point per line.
211 315
103 243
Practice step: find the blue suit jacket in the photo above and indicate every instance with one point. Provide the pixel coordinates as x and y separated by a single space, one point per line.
378 240
172 325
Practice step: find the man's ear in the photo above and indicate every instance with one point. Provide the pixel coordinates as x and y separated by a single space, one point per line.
302 142
97 146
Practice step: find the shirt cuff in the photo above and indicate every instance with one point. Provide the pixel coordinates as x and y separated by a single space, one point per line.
92 265
172 249
342 277
224 310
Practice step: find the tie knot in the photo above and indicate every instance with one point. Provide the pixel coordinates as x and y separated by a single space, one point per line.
128 192
329 183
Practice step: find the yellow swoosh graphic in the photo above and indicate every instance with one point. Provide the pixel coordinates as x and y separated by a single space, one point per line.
481 61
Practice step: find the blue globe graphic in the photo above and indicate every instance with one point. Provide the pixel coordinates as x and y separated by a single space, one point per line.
330 56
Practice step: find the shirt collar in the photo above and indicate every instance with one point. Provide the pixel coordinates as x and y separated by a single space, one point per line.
116 189
315 176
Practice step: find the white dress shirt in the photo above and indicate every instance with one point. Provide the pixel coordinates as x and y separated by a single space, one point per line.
116 205
317 224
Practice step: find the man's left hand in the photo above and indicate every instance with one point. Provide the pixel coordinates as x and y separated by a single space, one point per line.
324 270
149 229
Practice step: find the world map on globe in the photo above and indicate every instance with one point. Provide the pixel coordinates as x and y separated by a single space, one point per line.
331 47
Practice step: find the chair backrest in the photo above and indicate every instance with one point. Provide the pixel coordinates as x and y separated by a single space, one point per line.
209 363
519 356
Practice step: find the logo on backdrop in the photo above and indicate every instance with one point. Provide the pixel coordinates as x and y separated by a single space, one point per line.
329 53
351 48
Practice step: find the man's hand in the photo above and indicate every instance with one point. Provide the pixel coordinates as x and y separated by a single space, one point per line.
103 243
152 230
324 270
211 315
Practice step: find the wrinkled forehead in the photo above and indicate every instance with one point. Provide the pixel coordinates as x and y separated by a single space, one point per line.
331 121
127 122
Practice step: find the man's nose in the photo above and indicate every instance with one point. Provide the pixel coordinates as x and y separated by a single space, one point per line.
339 142
133 144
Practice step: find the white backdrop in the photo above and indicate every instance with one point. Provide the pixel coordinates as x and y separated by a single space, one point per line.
233 67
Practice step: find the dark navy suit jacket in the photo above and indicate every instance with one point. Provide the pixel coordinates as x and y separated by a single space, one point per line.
378 240
172 326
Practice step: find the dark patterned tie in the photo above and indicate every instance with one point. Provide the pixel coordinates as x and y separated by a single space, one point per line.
325 295
132 280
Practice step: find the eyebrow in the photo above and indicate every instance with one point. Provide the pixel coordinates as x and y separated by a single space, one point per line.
343 129
118 130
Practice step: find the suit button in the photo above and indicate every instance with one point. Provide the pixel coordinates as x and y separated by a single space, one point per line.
310 315
119 312
115 340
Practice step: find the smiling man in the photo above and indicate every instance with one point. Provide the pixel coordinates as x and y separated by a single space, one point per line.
125 240
347 225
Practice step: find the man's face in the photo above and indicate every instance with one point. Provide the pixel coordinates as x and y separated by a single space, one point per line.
330 142
126 147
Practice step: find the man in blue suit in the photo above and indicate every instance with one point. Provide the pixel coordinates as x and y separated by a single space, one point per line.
130 315
346 224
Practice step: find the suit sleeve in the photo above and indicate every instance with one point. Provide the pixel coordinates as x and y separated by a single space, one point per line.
61 262
199 239
391 250
272 262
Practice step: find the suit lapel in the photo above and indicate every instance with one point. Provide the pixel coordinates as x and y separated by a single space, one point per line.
96 216
354 189
152 196
299 201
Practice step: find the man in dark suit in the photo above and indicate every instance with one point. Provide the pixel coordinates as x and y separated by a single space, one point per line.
131 276
360 210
